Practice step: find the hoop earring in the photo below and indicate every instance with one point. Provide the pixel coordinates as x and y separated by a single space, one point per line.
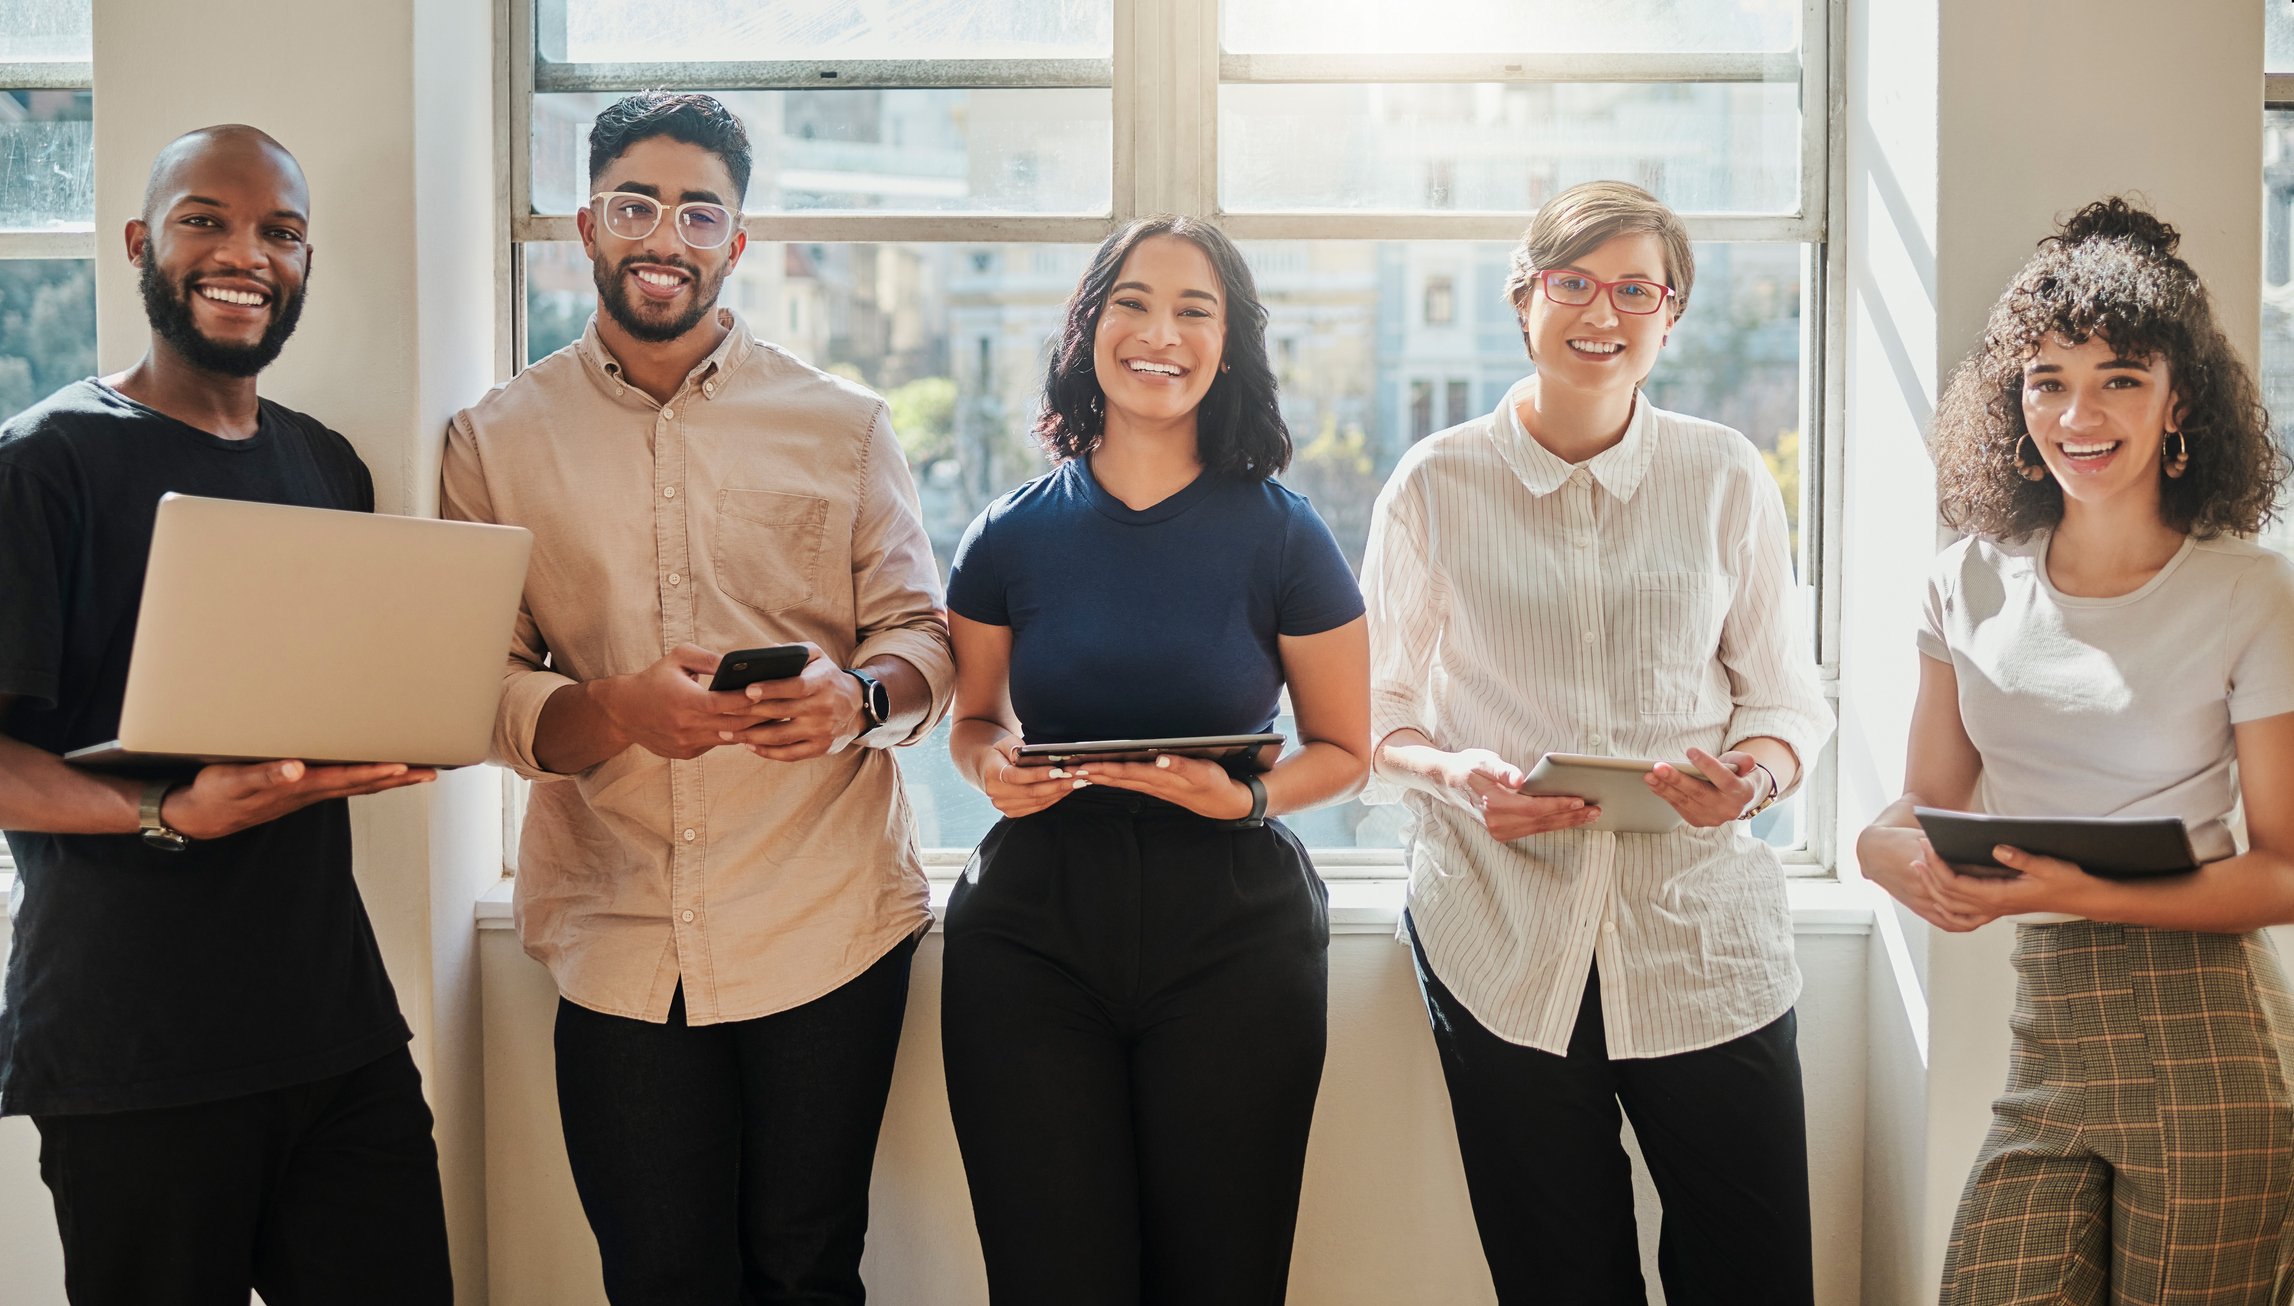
2180 463
2033 469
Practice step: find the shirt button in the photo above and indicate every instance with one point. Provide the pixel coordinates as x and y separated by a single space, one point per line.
1596 741
688 914
668 414
668 491
689 836
620 390
708 387
1581 539
675 579
1607 927
1588 637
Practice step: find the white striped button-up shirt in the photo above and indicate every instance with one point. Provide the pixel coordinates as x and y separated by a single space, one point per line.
1634 605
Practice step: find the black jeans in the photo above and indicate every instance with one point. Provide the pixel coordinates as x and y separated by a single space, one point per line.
1133 1009
323 1194
1723 1130
728 1164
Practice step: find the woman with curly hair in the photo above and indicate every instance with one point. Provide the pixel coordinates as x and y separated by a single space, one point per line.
1135 974
2108 642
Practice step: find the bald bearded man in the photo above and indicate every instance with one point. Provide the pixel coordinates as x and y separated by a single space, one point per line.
195 1013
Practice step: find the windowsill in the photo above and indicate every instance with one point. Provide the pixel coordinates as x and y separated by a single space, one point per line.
1374 906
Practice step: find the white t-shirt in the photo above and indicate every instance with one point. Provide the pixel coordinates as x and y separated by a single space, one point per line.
2116 706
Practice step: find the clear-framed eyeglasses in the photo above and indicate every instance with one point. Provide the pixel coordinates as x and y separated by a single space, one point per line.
1628 296
632 216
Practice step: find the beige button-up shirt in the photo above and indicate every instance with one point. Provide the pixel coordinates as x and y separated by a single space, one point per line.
1632 606
767 502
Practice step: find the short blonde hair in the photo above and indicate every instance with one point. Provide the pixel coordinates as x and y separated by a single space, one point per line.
1588 215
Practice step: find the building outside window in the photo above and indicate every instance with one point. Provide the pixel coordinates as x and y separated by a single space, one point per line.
930 181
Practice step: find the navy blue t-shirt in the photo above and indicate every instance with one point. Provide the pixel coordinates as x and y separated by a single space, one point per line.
1151 623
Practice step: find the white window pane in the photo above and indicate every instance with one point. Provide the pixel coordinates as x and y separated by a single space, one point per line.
1510 26
43 30
2277 37
957 336
1491 147
47 171
608 31
47 328
971 151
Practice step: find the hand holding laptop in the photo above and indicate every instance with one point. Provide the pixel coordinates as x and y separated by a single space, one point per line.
228 797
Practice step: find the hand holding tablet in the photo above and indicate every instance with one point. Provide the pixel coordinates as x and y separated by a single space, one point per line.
1614 784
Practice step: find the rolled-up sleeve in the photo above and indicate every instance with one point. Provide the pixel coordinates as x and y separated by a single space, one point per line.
1407 603
1764 648
526 683
895 582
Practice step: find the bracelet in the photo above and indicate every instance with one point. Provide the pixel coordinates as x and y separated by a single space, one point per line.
1257 817
1775 791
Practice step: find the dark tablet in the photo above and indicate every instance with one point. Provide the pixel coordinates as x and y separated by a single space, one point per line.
2114 847
1252 752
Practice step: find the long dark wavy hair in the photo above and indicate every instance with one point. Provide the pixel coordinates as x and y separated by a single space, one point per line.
2110 271
1239 429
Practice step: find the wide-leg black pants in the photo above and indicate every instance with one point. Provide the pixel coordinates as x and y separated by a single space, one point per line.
1723 1130
1133 1016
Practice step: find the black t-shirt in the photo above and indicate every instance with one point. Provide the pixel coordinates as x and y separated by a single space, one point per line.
139 977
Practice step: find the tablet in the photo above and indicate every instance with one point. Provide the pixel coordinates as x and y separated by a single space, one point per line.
1614 784
1251 752
2114 847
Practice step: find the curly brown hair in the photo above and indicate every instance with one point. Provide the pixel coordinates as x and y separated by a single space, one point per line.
2110 271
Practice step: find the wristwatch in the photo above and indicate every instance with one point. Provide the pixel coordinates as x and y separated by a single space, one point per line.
875 701
156 831
1257 817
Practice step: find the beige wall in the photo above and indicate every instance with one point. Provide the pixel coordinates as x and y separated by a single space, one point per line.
1383 1221
1971 126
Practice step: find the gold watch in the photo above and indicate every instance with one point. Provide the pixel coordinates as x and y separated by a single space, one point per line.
156 831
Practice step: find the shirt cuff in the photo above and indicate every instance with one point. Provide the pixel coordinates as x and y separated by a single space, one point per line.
927 652
519 716
1801 733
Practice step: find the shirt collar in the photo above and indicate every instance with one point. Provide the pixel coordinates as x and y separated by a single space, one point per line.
1619 468
729 354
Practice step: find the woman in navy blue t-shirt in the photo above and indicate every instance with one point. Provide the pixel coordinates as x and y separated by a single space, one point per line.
1134 982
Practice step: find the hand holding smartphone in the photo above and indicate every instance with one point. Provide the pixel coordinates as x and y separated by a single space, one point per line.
745 667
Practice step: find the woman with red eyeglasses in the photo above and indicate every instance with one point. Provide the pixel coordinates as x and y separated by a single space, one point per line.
1582 572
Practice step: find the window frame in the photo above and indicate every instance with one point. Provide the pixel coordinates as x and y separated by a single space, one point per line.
1164 72
63 243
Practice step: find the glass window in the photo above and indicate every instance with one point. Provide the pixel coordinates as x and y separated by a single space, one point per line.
957 343
956 151
1709 148
47 328
2277 36
44 31
1509 26
47 173
2278 284
702 31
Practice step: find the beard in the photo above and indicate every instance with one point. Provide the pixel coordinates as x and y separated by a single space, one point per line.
613 295
168 307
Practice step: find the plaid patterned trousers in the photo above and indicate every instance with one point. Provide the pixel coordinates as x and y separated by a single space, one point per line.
2144 1149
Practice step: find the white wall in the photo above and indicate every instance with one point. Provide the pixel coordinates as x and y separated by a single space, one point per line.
1384 1218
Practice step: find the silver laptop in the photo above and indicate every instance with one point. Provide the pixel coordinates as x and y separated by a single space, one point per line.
270 632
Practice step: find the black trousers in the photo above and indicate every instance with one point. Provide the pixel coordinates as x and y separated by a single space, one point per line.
1133 1012
1723 1130
728 1164
323 1194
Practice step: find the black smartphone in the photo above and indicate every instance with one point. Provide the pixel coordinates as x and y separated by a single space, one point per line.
745 667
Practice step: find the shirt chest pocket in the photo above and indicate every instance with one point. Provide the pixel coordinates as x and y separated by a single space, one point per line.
769 546
1677 619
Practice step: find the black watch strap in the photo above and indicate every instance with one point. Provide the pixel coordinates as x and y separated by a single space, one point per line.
875 700
1257 787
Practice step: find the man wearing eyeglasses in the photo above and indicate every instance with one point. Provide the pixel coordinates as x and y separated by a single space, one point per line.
725 885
